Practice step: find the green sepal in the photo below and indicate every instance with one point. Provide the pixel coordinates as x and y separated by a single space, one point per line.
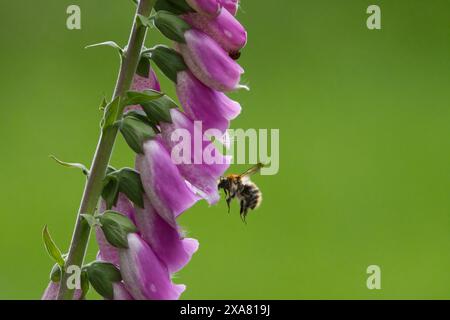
171 26
130 184
111 113
90 219
159 110
55 273
145 21
174 6
84 279
126 181
102 275
110 190
138 97
116 228
136 131
143 68
168 61
51 247
72 165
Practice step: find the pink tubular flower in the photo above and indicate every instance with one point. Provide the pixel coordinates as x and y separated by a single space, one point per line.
230 5
202 103
201 165
162 182
165 240
107 252
207 7
209 62
144 275
141 83
51 292
224 29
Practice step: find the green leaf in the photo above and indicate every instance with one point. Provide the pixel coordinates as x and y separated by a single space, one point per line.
72 165
116 227
171 26
111 113
168 61
51 247
174 6
111 44
136 132
159 110
102 275
138 97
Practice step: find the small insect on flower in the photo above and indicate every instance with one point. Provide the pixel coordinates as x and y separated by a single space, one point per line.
241 187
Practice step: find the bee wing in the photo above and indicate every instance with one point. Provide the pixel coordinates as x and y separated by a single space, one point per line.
252 170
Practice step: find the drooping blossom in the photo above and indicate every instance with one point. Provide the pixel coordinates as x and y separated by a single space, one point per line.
165 240
144 275
201 103
209 62
225 29
200 163
163 183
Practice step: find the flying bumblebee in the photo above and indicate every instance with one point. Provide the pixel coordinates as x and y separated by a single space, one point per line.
241 187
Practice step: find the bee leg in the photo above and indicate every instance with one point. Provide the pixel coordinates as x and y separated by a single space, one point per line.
228 203
243 212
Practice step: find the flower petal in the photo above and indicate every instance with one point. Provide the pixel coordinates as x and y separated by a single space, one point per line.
51 292
202 103
120 292
144 275
209 62
201 165
230 5
165 240
162 182
224 29
207 7
141 84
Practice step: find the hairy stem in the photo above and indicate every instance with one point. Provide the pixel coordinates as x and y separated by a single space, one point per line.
94 184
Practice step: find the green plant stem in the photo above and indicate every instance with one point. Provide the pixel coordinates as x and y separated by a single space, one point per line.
94 184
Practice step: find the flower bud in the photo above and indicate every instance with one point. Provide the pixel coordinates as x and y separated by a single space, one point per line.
209 62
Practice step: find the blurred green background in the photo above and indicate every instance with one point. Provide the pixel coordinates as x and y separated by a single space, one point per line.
365 151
